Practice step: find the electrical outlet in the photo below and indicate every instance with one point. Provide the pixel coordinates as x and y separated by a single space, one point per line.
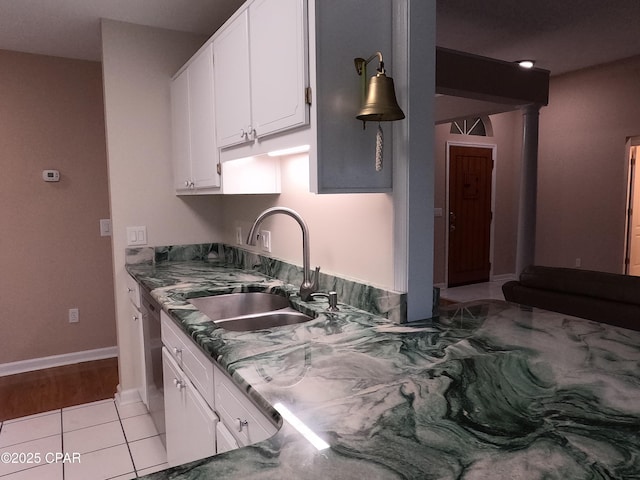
265 236
238 235
74 315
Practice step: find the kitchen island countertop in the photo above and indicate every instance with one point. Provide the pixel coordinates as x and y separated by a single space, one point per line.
487 390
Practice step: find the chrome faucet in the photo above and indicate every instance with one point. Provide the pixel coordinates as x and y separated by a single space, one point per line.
308 286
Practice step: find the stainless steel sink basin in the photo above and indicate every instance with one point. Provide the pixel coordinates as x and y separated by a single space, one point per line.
248 311
231 305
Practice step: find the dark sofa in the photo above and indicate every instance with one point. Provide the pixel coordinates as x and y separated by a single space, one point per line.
604 297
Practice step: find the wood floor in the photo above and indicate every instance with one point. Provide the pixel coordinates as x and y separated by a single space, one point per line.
43 390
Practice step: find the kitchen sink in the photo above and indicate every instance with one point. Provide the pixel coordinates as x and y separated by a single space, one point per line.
261 321
217 307
246 311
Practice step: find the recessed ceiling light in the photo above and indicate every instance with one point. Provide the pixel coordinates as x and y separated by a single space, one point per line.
526 64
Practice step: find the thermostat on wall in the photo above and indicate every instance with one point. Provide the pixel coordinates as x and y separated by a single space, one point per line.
51 175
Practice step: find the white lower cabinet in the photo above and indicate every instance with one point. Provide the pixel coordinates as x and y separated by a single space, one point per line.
205 411
190 422
225 440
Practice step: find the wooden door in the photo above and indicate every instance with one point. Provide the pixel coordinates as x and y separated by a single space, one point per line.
469 215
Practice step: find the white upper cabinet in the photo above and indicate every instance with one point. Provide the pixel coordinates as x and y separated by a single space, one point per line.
261 72
195 152
280 74
181 142
231 74
204 150
278 65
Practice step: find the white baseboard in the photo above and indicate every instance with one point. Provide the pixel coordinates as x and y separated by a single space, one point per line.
505 277
57 360
124 397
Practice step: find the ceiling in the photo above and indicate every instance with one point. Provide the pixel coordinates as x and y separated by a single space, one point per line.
561 36
71 28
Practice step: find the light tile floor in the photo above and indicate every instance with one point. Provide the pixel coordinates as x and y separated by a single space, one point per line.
476 291
94 441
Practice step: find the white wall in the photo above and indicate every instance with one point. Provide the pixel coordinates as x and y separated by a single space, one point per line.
138 63
351 235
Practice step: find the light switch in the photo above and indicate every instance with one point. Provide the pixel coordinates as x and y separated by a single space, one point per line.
105 227
136 236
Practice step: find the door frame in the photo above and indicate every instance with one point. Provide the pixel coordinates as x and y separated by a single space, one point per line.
494 154
630 173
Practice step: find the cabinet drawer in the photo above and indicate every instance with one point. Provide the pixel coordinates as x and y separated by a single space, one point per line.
133 291
245 421
197 366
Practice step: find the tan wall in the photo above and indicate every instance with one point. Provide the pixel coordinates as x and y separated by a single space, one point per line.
582 166
52 256
507 134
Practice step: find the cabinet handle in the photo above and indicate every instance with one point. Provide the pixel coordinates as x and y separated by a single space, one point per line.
129 289
177 351
243 134
241 423
135 318
179 385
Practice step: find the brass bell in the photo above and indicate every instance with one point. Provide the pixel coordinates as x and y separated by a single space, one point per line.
381 104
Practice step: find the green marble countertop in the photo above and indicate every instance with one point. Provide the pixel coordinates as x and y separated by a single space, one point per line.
488 390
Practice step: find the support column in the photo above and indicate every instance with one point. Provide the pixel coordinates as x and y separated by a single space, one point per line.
413 153
525 254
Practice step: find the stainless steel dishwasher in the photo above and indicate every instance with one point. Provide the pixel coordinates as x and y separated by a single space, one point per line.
153 356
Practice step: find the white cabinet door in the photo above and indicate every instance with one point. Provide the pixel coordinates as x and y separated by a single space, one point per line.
224 439
180 132
232 83
261 72
190 423
204 152
277 32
